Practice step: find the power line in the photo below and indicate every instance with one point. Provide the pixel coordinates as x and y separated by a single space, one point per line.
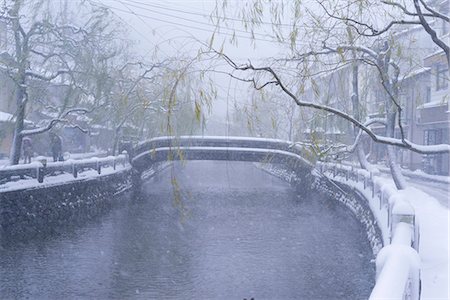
131 26
211 16
187 19
193 27
131 11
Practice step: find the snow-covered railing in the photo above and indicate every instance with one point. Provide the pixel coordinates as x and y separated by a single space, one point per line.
398 263
40 169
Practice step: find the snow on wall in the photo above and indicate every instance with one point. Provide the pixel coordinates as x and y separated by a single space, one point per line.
48 207
398 263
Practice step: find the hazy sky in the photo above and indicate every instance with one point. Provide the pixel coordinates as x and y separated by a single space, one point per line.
174 25
158 22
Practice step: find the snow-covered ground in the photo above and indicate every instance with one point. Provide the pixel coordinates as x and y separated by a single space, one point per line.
58 179
436 186
433 215
438 190
58 170
67 155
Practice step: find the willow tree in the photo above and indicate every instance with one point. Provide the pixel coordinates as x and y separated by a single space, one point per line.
46 48
316 39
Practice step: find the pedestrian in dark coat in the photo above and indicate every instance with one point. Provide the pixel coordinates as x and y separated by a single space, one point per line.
27 149
56 145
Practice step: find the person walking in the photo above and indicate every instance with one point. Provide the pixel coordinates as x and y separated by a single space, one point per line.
27 148
56 145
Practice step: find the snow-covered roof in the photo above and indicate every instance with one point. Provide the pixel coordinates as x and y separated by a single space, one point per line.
416 72
432 104
439 52
317 130
334 130
7 117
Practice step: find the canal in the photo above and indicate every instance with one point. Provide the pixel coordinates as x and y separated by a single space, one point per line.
200 230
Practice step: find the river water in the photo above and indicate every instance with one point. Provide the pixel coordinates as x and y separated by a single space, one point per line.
200 230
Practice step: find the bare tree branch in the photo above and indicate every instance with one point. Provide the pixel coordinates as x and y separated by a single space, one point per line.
432 32
443 148
373 32
434 13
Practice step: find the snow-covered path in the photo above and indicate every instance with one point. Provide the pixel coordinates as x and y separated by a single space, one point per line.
433 215
438 190
430 200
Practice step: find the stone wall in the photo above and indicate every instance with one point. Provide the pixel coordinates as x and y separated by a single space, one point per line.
357 205
50 208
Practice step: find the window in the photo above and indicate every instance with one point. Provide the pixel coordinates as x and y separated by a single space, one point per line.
433 137
441 78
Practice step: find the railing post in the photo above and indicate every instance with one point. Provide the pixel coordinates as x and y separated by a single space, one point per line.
41 170
114 163
40 174
389 217
99 167
381 199
372 187
125 153
74 170
372 184
403 212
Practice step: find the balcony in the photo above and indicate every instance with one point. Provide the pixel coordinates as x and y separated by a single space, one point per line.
433 112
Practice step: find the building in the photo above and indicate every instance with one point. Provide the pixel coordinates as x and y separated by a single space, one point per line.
433 114
423 96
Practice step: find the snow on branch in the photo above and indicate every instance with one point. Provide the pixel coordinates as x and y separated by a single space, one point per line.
403 143
47 78
417 18
54 122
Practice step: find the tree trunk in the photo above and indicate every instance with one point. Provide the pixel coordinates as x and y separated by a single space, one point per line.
392 90
396 173
362 158
20 93
16 146
115 141
357 113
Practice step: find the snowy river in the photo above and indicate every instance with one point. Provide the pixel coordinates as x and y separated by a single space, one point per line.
200 230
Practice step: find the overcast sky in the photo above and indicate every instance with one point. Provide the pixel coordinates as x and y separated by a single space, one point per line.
158 22
174 25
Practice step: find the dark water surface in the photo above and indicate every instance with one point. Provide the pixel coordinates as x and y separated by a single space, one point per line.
230 232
